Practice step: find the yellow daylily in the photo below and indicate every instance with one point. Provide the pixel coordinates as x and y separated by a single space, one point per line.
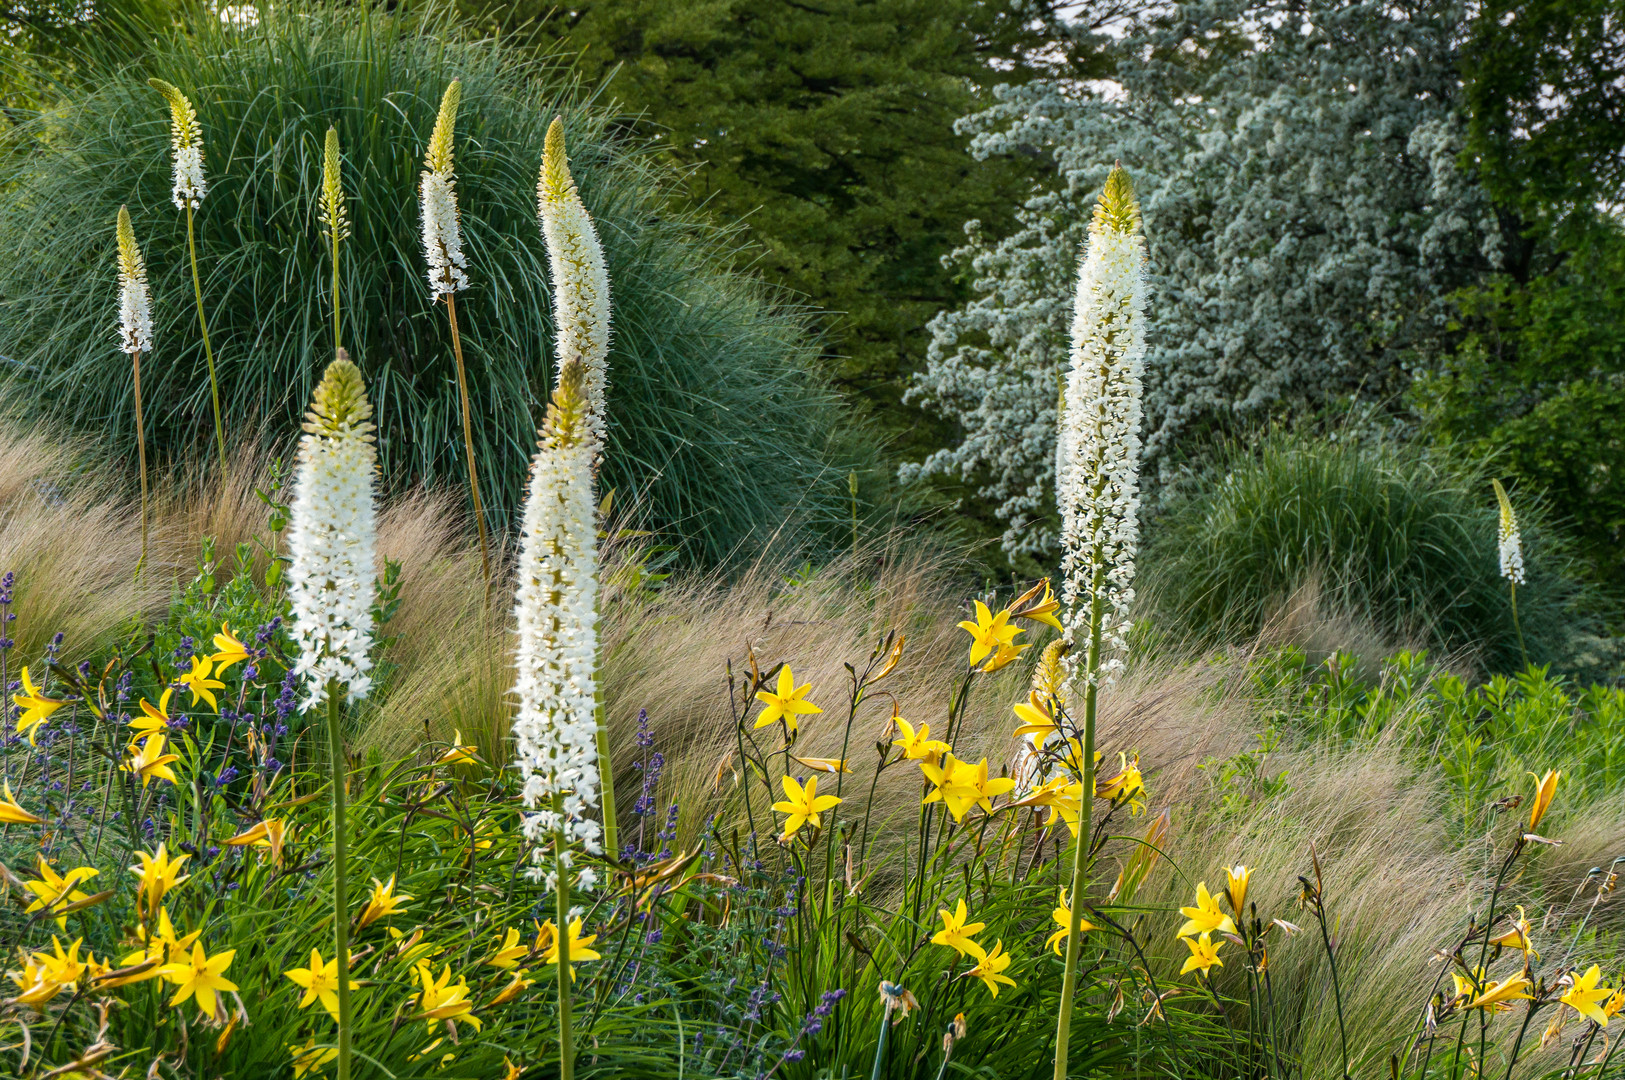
37 708
948 785
459 753
1499 995
1063 918
989 632
956 932
154 719
309 1058
802 805
918 745
53 890
381 903
509 953
320 982
1517 937
581 949
1615 1004
1205 917
789 703
1125 785
990 969
823 764
985 790
1204 955
1585 996
11 813
147 760
271 834
1029 605
1236 878
200 684
162 947
200 976
62 967
515 986
1038 722
511 1071
1545 788
158 874
1003 655
442 1001
1062 796
230 651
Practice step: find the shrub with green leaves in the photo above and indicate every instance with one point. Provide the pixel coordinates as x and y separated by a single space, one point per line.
1401 538
718 422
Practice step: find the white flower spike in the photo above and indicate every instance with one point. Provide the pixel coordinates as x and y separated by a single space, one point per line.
1511 542
186 140
1100 431
580 281
442 235
556 610
135 301
331 537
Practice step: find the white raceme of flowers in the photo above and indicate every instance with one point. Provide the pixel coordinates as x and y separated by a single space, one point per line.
442 238
190 185
1099 502
1510 542
556 656
186 141
580 281
135 300
331 538
1303 239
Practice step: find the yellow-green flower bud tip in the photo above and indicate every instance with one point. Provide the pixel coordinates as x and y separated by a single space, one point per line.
567 413
130 265
333 216
438 160
183 118
1117 209
340 403
557 184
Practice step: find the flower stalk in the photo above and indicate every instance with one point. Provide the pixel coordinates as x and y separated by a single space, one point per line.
333 217
135 337
448 274
1098 491
186 139
1510 550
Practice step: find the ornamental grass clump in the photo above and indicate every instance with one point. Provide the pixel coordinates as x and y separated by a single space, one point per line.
331 547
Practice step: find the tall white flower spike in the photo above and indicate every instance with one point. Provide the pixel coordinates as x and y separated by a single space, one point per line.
442 236
1511 542
135 301
556 608
1099 493
186 139
580 281
331 537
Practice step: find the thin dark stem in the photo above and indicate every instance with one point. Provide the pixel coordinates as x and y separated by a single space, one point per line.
208 350
468 442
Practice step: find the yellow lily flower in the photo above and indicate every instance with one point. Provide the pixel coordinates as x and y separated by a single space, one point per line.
918 745
1517 937
37 708
383 902
802 805
459 752
989 632
230 651
789 703
949 786
1205 917
1585 996
154 719
581 950
509 953
823 764
309 1058
1029 605
1003 655
11 813
1545 788
147 760
271 834
1614 1004
53 890
1499 995
1125 785
200 976
1037 720
1236 878
956 932
1062 797
511 1071
975 779
441 1001
163 947
62 967
1204 955
157 874
515 987
200 684
990 969
1063 918
320 982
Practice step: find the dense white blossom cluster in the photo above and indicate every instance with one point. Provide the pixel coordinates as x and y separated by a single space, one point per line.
331 537
442 233
556 608
1306 218
1099 493
1510 542
580 281
135 301
186 140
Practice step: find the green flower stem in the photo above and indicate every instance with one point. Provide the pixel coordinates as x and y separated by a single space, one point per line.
1080 856
606 767
337 341
208 350
141 451
341 898
1516 625
562 930
880 1046
468 442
